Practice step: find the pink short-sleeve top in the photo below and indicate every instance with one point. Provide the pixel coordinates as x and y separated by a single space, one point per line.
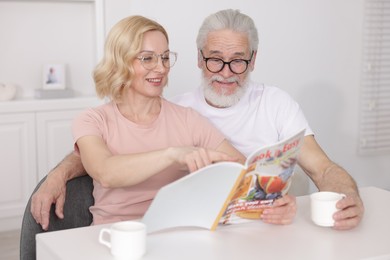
175 126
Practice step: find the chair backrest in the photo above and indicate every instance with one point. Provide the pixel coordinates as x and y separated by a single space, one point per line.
76 214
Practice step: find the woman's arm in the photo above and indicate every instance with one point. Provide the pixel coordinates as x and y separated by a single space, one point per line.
123 170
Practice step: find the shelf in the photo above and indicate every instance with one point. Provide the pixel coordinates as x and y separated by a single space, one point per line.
34 105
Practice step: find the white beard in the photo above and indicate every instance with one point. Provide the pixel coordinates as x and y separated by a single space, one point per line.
221 99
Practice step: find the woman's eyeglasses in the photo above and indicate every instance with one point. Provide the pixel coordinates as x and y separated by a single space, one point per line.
149 60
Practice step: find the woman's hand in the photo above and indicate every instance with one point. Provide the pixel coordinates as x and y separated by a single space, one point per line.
195 158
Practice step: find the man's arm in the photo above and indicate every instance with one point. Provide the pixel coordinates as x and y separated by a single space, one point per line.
328 176
53 189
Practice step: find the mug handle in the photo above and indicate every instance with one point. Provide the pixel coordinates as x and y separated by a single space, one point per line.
101 238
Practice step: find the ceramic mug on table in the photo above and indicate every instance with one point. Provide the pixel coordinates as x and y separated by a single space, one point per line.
127 239
323 206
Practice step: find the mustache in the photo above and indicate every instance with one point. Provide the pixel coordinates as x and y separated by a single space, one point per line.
220 78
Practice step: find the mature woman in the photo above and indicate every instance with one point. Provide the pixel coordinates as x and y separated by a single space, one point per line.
139 142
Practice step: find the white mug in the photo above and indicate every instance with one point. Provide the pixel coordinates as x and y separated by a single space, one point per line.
323 206
127 239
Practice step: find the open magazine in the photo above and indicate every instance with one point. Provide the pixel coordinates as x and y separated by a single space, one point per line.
226 192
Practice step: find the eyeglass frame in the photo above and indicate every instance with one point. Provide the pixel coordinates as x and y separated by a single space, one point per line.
142 58
226 62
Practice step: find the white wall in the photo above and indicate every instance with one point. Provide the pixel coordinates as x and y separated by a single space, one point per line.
34 33
310 48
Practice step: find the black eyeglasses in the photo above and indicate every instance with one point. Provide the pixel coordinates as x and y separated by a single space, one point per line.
237 66
150 59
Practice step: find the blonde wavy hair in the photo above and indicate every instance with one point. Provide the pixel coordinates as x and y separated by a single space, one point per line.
115 71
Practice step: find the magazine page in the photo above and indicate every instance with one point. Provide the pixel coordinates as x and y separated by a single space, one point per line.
267 177
194 200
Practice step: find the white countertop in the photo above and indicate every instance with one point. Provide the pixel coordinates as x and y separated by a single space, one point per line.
34 105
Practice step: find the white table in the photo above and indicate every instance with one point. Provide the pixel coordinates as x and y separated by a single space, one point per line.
300 240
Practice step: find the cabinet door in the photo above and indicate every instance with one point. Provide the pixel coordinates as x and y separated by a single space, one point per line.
18 172
54 138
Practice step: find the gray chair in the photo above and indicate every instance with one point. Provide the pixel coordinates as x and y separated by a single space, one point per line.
76 214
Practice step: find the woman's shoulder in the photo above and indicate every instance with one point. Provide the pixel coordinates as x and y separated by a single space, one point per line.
101 111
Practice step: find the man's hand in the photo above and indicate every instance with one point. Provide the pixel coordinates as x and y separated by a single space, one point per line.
350 214
328 176
282 212
50 192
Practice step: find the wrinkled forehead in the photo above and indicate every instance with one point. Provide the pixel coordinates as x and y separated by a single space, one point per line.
227 42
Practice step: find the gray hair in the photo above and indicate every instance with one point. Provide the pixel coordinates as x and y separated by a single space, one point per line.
228 19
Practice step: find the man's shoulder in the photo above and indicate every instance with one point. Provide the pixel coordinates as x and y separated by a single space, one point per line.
256 88
260 91
178 108
187 113
185 99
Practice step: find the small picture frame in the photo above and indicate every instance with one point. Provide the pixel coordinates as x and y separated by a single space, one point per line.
53 76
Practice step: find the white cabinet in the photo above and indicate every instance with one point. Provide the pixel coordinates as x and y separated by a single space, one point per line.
18 165
34 136
54 137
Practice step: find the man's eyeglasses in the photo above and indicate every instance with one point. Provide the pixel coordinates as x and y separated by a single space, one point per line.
150 59
237 66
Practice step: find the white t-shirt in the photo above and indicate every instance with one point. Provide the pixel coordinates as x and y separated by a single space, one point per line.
264 115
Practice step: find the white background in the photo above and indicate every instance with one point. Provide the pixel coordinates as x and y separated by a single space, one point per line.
310 48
